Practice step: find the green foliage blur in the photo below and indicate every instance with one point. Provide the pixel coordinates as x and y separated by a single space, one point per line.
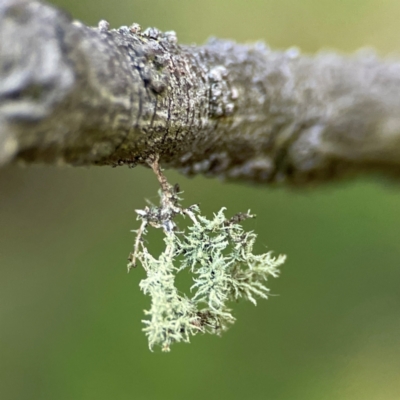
71 316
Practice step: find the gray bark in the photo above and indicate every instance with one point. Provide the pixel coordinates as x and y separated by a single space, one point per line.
72 94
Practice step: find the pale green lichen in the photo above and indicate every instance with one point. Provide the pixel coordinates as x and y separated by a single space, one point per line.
218 252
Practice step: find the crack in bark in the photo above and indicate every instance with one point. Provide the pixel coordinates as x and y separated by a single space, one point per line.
168 122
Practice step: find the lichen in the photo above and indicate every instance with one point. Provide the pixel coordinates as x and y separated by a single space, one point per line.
219 254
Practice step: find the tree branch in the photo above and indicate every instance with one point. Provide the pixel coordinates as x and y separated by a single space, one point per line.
71 94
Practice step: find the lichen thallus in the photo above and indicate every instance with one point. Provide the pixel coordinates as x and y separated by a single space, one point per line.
218 252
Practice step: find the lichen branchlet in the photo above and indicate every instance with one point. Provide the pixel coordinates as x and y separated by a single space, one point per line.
219 254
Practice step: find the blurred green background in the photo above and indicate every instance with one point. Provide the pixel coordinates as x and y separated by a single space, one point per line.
71 317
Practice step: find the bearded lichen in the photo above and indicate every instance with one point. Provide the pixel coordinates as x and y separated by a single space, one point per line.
219 254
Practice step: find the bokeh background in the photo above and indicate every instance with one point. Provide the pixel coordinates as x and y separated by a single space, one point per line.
71 317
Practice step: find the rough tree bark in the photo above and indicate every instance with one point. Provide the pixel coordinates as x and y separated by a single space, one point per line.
72 94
